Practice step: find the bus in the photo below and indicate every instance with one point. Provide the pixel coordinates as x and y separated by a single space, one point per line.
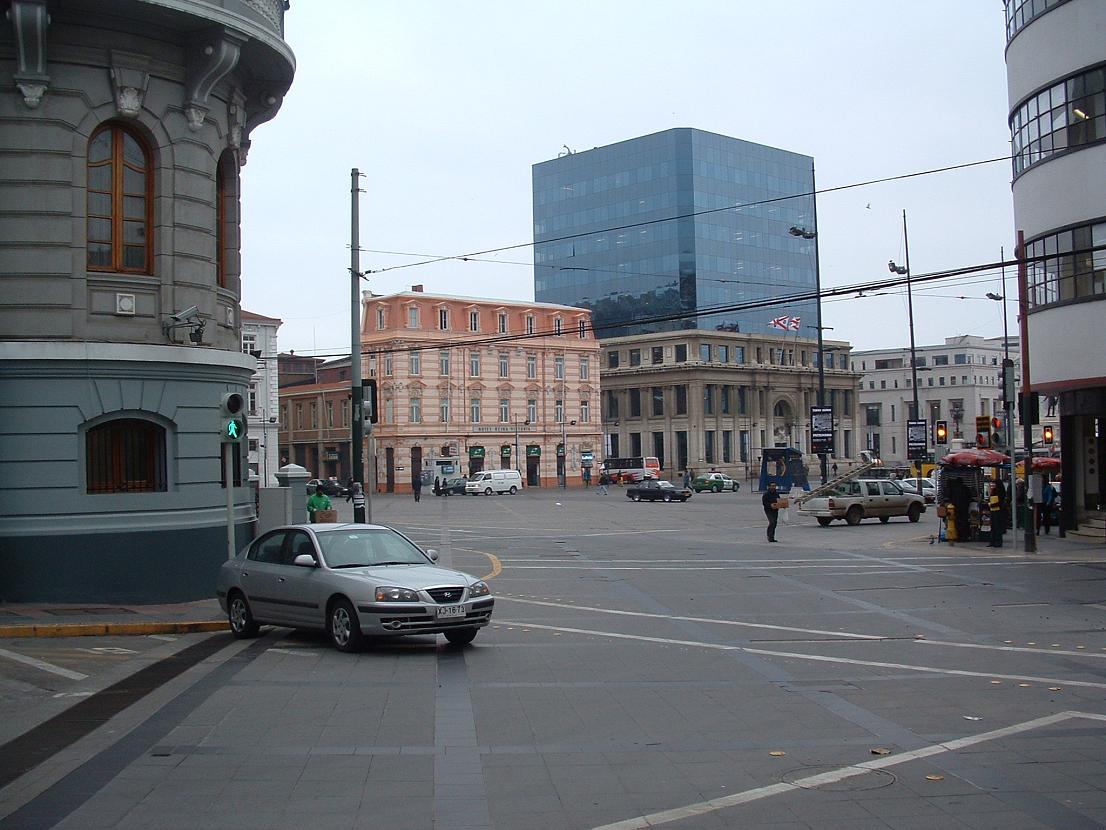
633 468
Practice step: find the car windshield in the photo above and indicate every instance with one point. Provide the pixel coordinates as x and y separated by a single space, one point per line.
364 548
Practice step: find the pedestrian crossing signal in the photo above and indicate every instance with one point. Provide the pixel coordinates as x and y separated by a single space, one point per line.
234 429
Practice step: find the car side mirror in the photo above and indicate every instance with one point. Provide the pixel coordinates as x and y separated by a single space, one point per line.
433 554
305 560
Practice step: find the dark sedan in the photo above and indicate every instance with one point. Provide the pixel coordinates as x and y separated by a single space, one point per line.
657 490
453 486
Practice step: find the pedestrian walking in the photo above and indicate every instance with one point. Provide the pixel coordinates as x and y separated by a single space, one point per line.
996 503
604 481
687 478
770 501
416 486
437 486
318 501
587 476
833 469
357 496
1048 506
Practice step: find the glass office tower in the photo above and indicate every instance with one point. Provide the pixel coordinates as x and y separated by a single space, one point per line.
679 229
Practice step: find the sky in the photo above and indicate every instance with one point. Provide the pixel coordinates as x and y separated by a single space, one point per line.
444 107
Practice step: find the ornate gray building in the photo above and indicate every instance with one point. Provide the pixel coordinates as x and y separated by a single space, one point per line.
123 127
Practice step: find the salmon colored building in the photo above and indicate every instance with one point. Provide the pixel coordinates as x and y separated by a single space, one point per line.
466 384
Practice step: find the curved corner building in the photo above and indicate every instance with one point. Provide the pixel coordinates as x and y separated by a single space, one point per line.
123 128
1056 75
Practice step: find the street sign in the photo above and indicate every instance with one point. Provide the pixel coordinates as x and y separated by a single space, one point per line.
917 440
821 430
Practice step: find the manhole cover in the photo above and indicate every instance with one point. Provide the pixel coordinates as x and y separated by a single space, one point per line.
868 780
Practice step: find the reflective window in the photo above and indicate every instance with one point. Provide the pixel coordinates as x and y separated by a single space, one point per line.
119 191
1061 267
1068 114
1019 13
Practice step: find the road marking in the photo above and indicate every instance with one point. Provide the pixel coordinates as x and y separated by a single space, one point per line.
497 564
42 664
841 773
694 619
817 658
1012 648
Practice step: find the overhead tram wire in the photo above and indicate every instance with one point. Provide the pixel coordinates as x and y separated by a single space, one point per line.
836 293
691 215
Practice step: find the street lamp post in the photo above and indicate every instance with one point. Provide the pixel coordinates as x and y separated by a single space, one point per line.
1007 394
897 269
813 234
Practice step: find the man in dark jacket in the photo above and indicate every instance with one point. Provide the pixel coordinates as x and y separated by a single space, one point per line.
769 500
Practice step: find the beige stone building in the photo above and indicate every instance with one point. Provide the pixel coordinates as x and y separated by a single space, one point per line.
467 384
715 399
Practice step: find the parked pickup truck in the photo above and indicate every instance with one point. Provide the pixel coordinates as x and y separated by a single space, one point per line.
861 499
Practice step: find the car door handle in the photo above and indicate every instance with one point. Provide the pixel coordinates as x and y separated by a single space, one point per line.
245 573
280 579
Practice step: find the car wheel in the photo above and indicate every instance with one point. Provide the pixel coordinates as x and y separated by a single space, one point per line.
716 488
343 627
668 497
824 521
513 490
460 636
242 623
914 513
635 496
884 519
487 491
854 515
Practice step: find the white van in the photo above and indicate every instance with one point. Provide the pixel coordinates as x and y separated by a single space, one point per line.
494 481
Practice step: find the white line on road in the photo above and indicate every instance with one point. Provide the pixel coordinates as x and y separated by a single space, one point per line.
1066 653
834 776
714 620
817 658
42 664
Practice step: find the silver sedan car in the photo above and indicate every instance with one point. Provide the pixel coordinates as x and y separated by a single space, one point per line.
352 581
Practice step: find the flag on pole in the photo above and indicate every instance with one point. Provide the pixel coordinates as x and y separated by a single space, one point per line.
780 323
794 322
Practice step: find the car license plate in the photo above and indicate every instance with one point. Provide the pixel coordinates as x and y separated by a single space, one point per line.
451 611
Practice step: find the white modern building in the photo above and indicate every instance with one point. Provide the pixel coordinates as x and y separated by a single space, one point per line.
1056 79
957 381
259 339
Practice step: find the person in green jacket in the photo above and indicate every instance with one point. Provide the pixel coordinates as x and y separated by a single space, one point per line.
318 501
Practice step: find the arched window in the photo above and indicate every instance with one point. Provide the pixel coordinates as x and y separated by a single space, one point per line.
125 455
120 181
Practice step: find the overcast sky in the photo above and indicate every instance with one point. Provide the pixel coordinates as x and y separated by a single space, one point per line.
445 106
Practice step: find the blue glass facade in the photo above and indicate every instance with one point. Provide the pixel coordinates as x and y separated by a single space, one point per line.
607 237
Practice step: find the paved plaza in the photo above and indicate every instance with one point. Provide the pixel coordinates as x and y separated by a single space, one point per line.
648 665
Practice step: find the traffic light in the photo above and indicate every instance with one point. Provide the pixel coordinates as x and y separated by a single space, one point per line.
982 431
232 416
942 432
1046 434
370 408
1034 408
998 436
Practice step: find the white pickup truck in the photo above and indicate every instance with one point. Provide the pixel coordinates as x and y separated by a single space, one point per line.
860 499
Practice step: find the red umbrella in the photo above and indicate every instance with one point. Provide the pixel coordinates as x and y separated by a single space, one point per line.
976 458
1044 463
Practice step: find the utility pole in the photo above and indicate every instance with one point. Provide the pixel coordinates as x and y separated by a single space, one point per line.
357 412
895 269
1008 394
1027 420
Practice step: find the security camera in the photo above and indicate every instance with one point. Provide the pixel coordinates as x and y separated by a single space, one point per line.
891 266
184 316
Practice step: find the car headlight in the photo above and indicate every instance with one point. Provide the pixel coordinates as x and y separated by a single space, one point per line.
391 594
479 589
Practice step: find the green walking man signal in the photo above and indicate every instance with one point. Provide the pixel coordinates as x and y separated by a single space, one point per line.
232 407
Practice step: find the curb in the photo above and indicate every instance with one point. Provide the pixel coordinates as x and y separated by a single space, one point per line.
112 629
